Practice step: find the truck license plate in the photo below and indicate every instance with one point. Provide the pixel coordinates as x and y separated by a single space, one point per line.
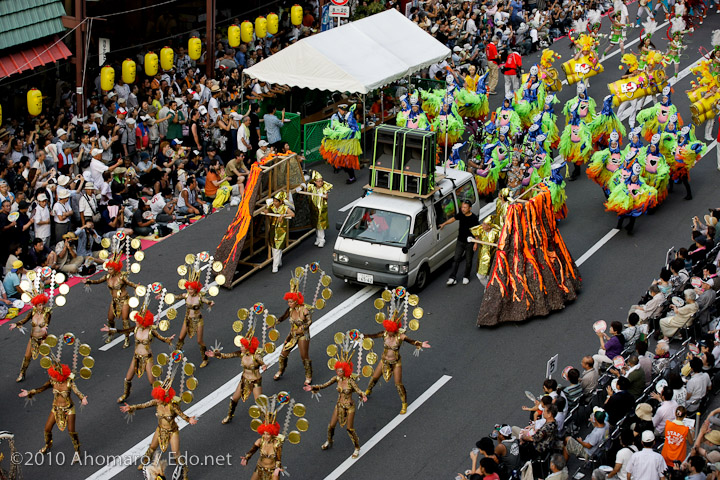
364 278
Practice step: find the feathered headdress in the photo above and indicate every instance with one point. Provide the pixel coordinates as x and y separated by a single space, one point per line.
580 26
680 9
265 415
715 39
248 340
393 306
298 282
677 24
617 7
114 248
34 289
594 18
52 361
649 26
194 264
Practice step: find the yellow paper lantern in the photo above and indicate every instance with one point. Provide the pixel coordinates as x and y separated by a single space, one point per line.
34 102
296 14
151 64
167 58
129 69
107 78
272 23
234 36
246 31
260 27
194 48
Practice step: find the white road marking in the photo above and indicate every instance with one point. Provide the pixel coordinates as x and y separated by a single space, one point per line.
222 393
597 246
367 446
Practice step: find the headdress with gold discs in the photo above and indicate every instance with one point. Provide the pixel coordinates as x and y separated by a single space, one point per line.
140 303
192 270
175 362
342 351
117 245
38 281
52 359
397 303
266 414
298 282
253 317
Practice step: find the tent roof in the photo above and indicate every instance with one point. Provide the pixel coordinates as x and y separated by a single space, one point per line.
357 57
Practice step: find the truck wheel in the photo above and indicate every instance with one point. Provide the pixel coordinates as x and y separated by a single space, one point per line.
423 277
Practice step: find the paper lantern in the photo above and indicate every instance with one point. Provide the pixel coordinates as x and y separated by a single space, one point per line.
234 36
129 69
246 31
272 23
34 102
167 58
260 27
194 48
296 14
107 78
151 64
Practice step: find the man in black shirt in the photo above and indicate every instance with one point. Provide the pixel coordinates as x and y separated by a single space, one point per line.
463 248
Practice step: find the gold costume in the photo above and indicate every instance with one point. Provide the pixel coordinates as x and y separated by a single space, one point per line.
266 473
193 323
251 363
44 321
164 413
279 225
345 404
299 327
391 343
60 412
320 204
143 359
119 296
487 252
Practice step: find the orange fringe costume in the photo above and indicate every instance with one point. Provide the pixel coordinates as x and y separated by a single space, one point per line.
534 273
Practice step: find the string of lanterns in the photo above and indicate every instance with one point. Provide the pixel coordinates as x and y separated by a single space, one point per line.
263 26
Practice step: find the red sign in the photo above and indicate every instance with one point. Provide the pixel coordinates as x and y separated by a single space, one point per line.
339 3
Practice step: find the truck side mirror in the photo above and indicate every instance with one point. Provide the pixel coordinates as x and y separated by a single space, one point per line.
338 225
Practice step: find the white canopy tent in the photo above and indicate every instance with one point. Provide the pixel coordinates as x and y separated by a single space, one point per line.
357 57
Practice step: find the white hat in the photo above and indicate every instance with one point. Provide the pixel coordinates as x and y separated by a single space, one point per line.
648 436
130 120
41 197
60 132
63 193
96 151
63 180
87 175
89 186
263 143
457 49
202 110
121 100
144 118
506 431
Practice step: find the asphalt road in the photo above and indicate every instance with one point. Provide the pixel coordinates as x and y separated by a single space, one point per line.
488 369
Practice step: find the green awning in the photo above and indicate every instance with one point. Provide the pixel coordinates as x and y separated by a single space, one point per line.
23 21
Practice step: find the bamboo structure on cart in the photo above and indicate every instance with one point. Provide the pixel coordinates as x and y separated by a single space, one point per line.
245 247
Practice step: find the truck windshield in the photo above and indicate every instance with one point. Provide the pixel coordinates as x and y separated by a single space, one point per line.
377 226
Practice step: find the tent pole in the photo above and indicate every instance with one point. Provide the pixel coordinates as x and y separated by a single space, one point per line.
364 124
382 106
242 86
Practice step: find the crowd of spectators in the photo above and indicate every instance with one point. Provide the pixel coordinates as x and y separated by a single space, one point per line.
629 412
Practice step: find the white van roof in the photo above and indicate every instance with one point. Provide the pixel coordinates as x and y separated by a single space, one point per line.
410 206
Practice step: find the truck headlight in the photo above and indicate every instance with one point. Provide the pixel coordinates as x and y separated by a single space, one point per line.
395 268
340 258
